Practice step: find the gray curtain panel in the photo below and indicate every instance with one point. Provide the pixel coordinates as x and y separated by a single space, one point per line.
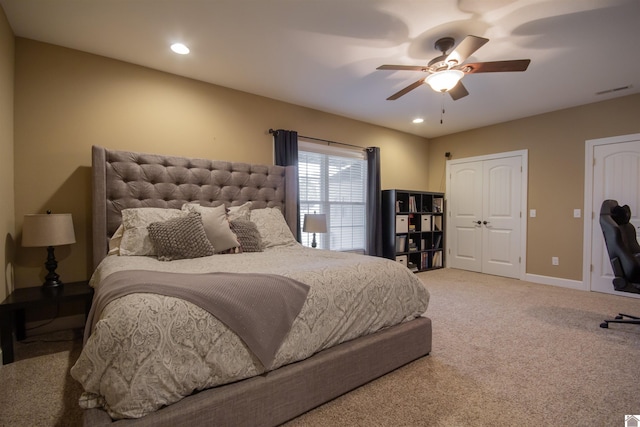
374 203
285 146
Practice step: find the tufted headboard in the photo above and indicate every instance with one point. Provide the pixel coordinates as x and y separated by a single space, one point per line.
124 179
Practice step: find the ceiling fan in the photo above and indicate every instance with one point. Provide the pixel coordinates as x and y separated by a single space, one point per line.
446 70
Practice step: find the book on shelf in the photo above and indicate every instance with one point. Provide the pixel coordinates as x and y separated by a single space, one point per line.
412 246
437 223
412 266
437 259
398 206
412 204
438 241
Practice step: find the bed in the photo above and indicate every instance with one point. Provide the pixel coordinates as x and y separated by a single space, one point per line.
200 369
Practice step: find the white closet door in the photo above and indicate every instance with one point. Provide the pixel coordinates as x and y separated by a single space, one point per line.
501 217
465 205
485 205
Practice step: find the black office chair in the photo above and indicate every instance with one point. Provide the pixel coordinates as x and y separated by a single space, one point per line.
624 253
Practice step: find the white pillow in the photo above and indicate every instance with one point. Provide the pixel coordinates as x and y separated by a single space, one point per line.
216 226
240 212
135 239
273 228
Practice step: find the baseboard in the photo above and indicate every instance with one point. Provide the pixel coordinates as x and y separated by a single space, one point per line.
556 281
59 324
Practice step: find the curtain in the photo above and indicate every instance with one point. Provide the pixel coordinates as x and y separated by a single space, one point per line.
285 145
374 203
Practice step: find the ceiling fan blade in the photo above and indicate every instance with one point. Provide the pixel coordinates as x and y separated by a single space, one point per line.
458 91
466 47
496 66
405 90
403 67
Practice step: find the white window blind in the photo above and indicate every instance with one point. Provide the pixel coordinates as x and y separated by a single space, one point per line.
333 182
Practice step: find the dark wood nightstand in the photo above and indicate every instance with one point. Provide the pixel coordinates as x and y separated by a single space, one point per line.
12 310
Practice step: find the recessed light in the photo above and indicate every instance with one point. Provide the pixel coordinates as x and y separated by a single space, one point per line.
418 120
180 48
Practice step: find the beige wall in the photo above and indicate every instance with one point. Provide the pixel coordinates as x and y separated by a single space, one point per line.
66 101
556 146
7 223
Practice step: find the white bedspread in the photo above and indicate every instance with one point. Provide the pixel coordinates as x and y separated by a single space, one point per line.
150 350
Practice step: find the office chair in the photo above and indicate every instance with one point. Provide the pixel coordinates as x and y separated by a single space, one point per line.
624 253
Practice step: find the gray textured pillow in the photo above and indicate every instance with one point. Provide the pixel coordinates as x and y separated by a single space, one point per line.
180 238
247 234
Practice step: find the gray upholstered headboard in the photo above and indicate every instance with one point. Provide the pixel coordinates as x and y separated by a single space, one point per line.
124 179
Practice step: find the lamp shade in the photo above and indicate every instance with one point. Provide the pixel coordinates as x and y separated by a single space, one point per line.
443 81
47 230
315 223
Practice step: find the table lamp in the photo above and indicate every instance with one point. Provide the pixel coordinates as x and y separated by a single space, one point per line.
315 223
48 230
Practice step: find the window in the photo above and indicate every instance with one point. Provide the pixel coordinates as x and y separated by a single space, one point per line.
333 181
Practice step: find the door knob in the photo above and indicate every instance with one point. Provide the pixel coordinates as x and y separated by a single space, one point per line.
477 222
485 222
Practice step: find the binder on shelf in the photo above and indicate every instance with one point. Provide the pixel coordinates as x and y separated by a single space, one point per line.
401 243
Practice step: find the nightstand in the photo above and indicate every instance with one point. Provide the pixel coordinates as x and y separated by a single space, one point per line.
12 310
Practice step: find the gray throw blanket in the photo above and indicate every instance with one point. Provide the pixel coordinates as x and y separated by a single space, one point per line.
259 308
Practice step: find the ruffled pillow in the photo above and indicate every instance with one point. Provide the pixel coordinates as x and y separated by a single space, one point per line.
135 236
273 228
180 238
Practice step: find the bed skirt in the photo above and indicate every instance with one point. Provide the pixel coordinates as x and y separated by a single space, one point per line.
285 393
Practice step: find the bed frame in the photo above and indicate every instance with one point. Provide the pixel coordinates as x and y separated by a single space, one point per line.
123 179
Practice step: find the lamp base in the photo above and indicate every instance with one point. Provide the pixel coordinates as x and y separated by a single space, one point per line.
52 279
313 243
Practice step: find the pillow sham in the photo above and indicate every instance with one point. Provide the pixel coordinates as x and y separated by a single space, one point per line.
180 238
135 237
216 226
273 228
114 241
248 235
240 212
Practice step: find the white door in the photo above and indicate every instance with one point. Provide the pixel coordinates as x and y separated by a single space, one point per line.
465 214
501 217
485 215
616 175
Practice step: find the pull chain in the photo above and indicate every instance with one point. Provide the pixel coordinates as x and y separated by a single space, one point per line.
442 109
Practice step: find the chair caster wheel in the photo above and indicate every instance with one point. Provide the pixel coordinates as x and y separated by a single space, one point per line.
604 325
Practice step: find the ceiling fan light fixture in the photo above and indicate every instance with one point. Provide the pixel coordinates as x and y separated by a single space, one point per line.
442 81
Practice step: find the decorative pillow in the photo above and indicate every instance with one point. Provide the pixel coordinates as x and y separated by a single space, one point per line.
273 228
240 212
216 226
135 238
180 238
114 241
248 235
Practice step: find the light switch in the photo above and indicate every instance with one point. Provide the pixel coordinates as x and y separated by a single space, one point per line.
577 213
532 213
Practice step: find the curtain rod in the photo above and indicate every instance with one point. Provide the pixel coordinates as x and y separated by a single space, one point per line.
325 140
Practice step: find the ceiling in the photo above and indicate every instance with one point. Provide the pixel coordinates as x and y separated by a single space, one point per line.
323 54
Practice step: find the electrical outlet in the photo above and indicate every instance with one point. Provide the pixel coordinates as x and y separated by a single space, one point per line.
577 213
555 260
532 213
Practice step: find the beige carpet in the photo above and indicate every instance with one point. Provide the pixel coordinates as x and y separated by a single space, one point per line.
505 353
